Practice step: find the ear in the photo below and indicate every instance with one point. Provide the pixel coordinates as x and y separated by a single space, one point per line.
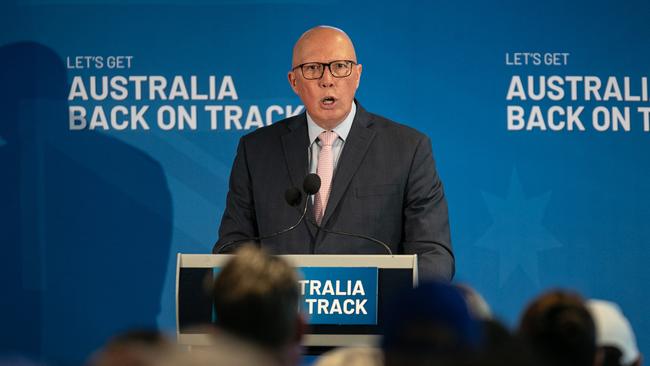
293 351
301 327
359 69
600 357
291 76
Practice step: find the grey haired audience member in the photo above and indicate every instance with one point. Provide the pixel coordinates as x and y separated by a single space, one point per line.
141 347
256 298
614 335
352 356
257 320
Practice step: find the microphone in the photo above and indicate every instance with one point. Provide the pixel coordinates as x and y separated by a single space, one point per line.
311 184
293 197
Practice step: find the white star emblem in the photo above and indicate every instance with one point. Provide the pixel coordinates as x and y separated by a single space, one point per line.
517 232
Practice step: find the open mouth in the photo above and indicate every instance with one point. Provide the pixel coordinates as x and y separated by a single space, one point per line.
328 101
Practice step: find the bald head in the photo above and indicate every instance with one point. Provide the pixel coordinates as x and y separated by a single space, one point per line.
327 99
309 44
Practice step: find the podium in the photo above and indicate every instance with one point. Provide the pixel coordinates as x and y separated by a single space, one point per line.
393 273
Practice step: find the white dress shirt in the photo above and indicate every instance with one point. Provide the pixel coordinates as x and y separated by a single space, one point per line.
342 130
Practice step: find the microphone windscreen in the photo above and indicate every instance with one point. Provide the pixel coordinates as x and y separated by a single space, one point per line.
293 196
311 184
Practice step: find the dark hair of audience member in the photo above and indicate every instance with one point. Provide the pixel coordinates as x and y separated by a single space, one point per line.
256 299
559 329
500 348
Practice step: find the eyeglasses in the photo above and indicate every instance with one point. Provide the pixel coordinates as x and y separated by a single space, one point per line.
315 70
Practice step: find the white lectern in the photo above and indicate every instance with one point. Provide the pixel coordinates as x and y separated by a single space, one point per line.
194 305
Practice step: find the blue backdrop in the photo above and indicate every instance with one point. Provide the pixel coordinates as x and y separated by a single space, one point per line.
91 219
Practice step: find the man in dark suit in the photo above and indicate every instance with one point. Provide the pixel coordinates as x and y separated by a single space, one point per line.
378 177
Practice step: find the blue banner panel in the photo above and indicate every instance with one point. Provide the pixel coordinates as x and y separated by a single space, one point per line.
120 120
339 295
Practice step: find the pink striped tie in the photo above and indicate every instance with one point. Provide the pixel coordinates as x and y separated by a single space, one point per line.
325 171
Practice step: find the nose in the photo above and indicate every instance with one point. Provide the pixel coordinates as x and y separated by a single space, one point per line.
327 80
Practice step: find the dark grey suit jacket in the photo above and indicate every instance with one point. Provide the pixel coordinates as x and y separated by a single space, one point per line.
385 186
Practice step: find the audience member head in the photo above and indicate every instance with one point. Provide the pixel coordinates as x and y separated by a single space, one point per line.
351 356
133 348
256 299
496 339
427 324
476 304
559 329
614 334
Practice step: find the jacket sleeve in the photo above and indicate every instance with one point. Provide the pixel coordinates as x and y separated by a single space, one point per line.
239 220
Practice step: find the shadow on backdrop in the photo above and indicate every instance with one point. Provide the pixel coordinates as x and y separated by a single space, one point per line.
86 220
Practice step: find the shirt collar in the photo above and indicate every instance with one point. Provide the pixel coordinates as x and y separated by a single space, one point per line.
342 129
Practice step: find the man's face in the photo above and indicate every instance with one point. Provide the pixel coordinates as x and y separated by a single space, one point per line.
328 99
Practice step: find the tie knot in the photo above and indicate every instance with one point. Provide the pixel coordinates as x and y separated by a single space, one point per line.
327 137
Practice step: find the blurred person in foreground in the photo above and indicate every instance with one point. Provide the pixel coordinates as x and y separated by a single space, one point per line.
614 335
256 298
499 347
258 323
476 304
351 356
141 347
559 330
495 336
430 324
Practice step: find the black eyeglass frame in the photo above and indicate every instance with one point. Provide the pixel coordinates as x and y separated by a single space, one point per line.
325 64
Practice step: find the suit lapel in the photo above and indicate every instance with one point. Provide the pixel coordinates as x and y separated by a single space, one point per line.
354 151
295 145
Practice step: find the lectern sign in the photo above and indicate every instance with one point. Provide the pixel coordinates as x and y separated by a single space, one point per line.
339 295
